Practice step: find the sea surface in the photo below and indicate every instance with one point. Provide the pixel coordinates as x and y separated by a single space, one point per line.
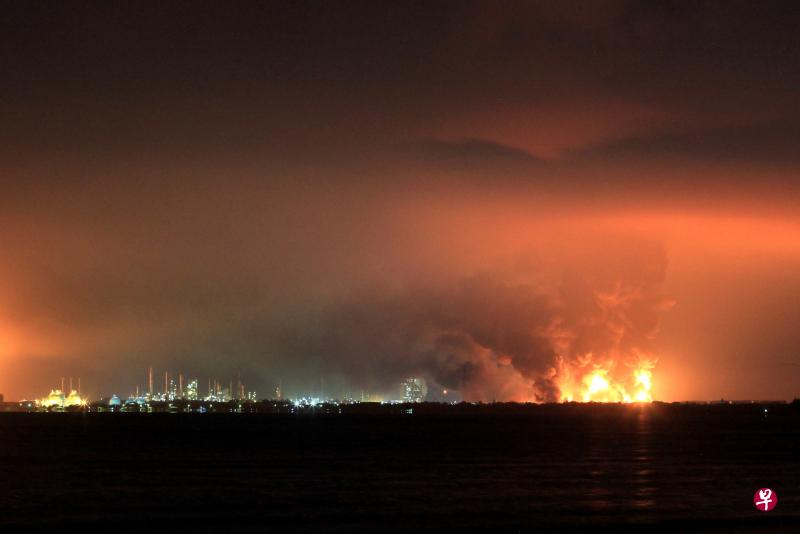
633 469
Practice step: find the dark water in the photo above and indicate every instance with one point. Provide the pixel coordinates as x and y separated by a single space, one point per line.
633 469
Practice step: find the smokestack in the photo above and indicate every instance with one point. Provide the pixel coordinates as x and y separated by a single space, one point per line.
180 385
62 384
150 380
166 383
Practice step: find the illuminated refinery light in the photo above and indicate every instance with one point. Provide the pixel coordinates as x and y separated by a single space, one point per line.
307 401
412 390
57 400
191 390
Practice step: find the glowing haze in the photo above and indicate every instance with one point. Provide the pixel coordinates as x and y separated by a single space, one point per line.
535 201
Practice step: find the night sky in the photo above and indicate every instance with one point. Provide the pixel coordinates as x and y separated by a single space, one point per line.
493 196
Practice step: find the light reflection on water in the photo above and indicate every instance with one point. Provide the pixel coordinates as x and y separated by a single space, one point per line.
644 493
629 467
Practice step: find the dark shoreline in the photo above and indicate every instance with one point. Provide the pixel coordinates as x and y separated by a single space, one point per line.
273 407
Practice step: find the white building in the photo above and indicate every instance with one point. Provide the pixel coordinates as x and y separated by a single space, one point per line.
413 390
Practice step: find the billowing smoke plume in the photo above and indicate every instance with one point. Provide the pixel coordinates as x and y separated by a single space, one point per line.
508 335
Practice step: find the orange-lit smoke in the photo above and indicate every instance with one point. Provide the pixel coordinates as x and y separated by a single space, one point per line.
580 327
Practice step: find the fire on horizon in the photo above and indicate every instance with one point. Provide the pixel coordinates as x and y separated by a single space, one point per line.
535 201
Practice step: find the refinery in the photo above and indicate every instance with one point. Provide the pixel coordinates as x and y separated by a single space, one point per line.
181 395
177 394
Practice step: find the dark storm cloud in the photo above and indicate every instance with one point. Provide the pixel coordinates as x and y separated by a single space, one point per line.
776 142
280 80
474 154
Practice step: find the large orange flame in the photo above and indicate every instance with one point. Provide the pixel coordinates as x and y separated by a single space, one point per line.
606 382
